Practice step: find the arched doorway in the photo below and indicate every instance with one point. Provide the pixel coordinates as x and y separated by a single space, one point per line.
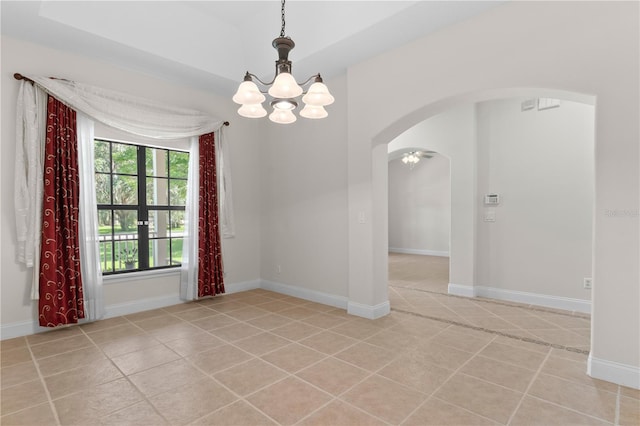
473 62
468 278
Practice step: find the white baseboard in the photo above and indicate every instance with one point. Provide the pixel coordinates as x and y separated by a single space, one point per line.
369 311
25 328
353 308
242 286
418 251
611 371
135 306
306 294
461 290
8 331
556 302
18 329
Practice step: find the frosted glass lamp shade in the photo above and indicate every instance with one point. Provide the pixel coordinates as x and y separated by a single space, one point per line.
282 116
248 93
318 95
312 111
252 111
285 87
288 104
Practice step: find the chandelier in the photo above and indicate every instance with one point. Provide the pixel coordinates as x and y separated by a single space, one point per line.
411 158
283 89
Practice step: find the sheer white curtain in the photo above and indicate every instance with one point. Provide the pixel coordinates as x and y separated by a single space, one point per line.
88 222
189 272
227 223
131 114
31 116
189 269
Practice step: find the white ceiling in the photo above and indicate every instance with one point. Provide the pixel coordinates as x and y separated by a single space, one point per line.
210 44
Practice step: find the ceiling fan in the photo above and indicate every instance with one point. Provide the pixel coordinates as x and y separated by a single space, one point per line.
425 154
412 157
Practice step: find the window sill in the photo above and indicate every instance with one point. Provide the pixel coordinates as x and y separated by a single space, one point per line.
139 275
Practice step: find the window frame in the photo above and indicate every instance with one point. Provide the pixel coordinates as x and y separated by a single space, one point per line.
142 208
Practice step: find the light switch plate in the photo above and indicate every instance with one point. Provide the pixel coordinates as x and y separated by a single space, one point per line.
490 216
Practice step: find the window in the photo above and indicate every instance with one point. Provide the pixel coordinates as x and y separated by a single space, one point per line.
141 194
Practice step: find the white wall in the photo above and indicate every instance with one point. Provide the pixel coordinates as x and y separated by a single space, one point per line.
541 163
420 206
588 48
304 200
242 253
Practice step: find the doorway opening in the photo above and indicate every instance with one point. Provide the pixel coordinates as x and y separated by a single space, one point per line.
419 219
522 196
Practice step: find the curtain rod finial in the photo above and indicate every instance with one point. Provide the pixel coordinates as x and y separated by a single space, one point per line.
19 76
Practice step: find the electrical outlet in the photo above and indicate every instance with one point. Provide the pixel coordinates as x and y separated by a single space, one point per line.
278 269
587 282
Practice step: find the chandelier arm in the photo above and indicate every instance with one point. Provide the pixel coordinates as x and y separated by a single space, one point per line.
315 77
260 81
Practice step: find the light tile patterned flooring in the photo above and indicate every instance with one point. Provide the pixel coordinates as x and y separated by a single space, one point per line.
418 284
262 358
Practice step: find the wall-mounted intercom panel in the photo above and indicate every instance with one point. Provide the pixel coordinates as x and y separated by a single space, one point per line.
492 199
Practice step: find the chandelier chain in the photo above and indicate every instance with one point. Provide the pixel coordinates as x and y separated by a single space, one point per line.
283 21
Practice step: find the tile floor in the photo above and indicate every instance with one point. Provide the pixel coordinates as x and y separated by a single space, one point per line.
418 284
263 358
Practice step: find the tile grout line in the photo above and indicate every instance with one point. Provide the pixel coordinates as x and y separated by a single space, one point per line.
526 391
456 371
573 314
44 385
560 327
616 419
253 356
555 404
287 375
371 374
240 397
259 357
539 372
125 376
338 397
495 332
448 308
206 375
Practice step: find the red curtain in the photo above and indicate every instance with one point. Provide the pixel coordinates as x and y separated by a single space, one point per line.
210 271
61 300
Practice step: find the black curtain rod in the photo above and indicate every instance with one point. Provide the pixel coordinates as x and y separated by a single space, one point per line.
19 76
